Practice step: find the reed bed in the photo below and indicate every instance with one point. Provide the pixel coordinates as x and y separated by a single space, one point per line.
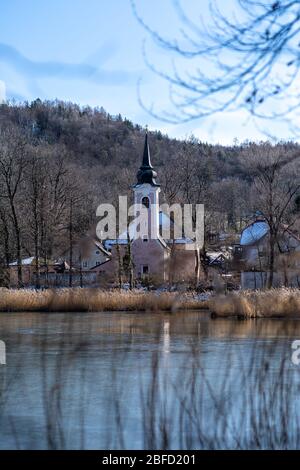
83 300
276 303
283 302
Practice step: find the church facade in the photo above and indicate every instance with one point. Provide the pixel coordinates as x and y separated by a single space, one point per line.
152 257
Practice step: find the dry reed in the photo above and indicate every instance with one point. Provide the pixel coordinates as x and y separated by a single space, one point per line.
283 302
81 300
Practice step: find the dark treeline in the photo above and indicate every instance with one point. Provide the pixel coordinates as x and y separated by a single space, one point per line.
58 161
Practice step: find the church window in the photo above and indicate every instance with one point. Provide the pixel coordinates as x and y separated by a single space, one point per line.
145 269
146 202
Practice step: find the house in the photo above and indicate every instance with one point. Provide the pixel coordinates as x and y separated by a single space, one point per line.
87 253
79 266
153 256
252 255
29 271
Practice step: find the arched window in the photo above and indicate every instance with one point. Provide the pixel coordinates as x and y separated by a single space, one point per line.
146 202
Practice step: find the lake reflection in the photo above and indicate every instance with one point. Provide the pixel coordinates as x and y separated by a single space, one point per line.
137 380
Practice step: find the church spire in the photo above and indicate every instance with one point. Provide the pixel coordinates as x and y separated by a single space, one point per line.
146 173
146 155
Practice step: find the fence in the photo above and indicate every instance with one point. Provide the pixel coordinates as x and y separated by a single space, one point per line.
258 279
63 279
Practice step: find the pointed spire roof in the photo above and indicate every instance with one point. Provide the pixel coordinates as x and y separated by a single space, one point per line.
146 155
146 173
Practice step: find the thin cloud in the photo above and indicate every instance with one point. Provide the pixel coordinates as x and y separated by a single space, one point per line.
2 91
32 70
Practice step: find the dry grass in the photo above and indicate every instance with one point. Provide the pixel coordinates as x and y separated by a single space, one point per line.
282 302
247 304
81 300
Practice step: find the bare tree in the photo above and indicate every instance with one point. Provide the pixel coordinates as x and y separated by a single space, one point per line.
195 178
246 59
4 246
120 266
13 161
77 216
5 232
71 239
275 186
37 190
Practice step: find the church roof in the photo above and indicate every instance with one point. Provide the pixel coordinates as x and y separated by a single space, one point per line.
146 173
164 222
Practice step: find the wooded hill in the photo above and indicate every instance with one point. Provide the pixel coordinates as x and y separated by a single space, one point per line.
58 161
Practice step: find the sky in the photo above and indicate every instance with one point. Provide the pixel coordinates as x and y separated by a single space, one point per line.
91 52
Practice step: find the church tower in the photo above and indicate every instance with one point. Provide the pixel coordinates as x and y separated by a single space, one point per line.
146 191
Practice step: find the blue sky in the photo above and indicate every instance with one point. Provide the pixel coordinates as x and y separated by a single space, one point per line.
90 52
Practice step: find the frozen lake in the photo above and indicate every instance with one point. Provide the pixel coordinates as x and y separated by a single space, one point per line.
138 380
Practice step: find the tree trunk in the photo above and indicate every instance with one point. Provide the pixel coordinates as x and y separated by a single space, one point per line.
6 239
71 245
36 240
271 260
37 257
197 266
18 244
120 266
80 270
130 263
202 259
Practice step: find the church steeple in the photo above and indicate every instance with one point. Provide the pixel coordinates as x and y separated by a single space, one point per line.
146 154
146 173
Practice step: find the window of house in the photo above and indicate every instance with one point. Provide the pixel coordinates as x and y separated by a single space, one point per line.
145 269
98 263
84 264
97 252
146 202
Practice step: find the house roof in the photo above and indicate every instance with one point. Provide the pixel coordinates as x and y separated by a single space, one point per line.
101 248
254 232
25 262
88 240
215 256
98 266
289 231
31 260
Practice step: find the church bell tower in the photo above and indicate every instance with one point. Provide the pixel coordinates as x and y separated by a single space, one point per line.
146 191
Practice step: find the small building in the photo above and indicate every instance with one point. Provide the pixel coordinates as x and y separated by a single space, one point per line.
252 255
87 254
29 271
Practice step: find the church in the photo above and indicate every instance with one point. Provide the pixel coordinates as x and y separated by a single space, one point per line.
152 257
